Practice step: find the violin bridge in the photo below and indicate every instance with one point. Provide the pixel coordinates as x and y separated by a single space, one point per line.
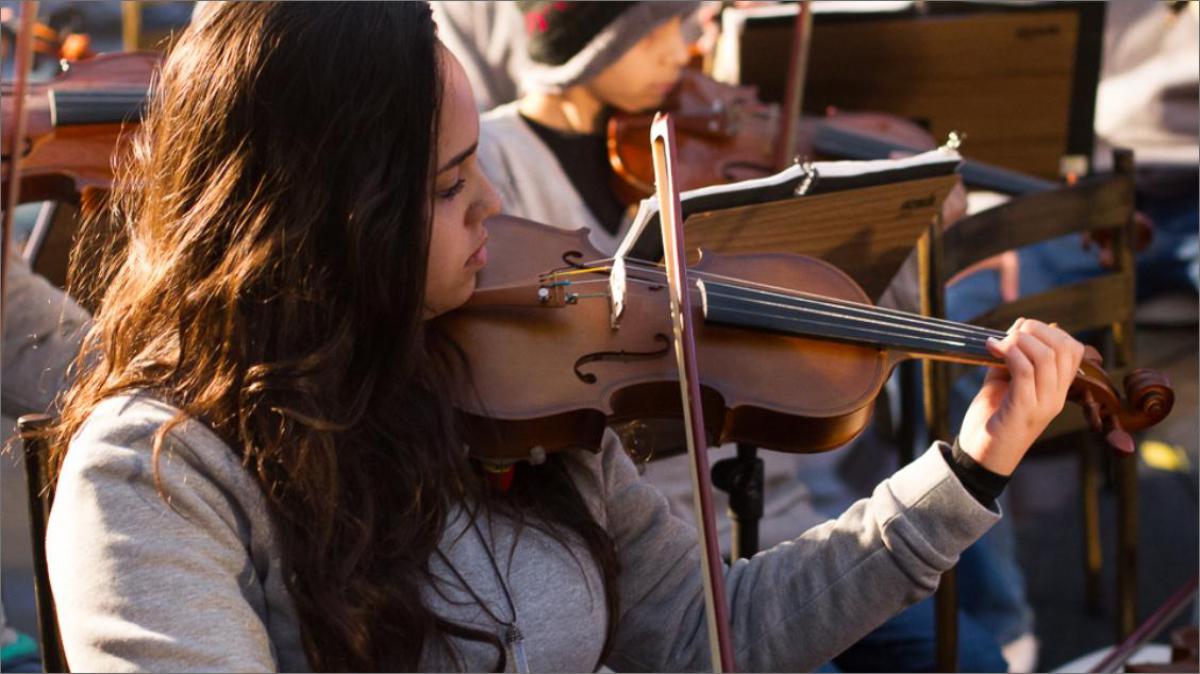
616 292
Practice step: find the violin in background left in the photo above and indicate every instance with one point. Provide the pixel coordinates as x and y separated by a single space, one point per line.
76 123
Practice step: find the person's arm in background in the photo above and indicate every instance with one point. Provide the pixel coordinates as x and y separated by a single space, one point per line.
43 329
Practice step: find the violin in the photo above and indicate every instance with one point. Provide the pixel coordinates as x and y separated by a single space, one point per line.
75 124
730 135
562 341
727 134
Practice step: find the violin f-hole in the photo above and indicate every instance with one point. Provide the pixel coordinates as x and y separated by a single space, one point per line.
571 259
622 355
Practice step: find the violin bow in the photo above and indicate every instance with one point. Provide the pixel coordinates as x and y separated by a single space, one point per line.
22 59
794 93
662 141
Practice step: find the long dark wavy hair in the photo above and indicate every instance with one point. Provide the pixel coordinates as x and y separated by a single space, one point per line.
275 215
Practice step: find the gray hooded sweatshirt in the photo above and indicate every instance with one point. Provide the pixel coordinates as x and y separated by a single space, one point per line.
198 587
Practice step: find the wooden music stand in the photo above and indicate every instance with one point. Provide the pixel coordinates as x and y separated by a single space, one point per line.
1019 81
866 232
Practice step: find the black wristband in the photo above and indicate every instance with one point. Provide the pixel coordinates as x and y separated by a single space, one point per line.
980 482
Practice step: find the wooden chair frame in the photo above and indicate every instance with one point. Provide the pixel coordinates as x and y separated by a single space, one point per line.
41 496
1097 206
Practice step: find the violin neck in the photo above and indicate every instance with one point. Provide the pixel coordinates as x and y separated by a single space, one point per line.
842 321
832 140
73 108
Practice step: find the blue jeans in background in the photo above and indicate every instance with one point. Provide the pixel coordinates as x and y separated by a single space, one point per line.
906 643
1169 264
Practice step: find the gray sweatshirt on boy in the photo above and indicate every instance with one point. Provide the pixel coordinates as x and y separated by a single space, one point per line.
531 182
197 587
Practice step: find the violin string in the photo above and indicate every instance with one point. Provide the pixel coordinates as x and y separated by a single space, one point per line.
811 316
856 329
813 313
787 292
845 313
857 312
861 333
861 311
864 323
895 313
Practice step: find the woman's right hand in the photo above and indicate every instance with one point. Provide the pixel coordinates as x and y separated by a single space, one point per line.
1017 402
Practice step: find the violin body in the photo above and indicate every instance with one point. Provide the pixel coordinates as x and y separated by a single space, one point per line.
554 376
76 123
574 374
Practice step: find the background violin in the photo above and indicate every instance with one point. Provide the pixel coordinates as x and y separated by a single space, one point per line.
727 134
75 124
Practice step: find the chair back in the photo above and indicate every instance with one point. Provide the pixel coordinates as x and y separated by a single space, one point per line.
1102 207
41 496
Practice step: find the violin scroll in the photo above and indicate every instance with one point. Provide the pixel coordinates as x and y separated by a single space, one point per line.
1149 396
1148 399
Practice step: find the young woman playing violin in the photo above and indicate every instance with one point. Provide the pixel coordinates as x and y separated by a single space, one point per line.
546 154
261 465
